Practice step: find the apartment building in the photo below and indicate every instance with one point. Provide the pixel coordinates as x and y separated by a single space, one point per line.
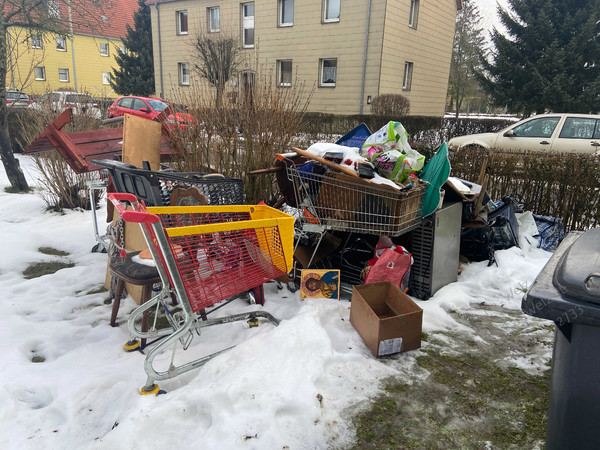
349 50
38 62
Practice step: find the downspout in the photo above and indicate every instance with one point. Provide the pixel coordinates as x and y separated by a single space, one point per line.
10 59
162 90
72 47
364 70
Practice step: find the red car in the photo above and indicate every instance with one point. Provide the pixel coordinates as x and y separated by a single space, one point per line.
148 108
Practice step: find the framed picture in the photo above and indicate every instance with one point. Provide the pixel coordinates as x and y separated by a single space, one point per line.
315 283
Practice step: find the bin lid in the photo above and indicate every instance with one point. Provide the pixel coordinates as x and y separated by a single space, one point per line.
577 274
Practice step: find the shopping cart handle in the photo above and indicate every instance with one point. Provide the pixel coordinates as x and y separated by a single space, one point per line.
129 215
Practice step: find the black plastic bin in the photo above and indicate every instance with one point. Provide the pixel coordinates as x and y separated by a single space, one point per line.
567 291
155 187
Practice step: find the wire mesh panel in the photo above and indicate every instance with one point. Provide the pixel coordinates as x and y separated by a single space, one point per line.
346 203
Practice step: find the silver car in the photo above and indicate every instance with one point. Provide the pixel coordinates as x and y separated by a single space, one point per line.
578 133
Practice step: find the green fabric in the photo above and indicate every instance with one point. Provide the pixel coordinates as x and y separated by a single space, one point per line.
435 172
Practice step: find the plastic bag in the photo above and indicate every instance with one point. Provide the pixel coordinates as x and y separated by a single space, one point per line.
389 151
393 265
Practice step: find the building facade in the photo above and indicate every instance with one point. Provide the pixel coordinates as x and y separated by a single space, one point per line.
349 50
40 62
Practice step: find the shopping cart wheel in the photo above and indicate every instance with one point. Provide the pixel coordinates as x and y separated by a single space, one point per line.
150 390
132 345
98 248
252 322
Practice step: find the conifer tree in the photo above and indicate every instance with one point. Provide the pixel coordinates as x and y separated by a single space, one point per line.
135 74
549 60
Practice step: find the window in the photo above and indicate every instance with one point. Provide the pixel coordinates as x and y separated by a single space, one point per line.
286 13
408 70
122 49
106 78
182 22
413 16
248 25
104 48
580 128
53 9
61 44
63 75
328 72
39 72
184 74
284 72
331 11
125 102
538 128
213 20
36 41
139 104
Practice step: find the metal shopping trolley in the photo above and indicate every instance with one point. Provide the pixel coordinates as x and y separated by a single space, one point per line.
204 255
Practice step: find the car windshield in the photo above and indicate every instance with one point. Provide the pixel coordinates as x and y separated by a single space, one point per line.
16 96
157 105
78 98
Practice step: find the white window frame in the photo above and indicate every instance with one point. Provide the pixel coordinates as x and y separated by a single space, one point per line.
180 23
322 71
209 15
37 41
61 40
326 8
41 69
280 72
413 16
408 74
283 6
106 77
248 24
104 49
183 69
64 71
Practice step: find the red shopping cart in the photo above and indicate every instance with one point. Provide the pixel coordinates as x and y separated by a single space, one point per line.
204 255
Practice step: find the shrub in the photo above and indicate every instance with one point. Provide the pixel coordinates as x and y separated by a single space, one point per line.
390 104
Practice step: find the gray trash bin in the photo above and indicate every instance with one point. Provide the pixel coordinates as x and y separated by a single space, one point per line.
567 291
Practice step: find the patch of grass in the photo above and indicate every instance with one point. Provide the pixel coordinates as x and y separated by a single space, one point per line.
52 251
12 190
98 290
44 268
466 401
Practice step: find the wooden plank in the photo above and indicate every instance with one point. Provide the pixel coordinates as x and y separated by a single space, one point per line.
141 141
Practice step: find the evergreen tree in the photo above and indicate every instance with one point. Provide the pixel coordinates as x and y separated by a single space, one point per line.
550 58
467 50
135 74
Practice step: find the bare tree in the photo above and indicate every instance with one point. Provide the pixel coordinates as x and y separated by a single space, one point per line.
57 17
219 57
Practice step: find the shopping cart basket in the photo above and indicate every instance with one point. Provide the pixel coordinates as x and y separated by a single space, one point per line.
204 255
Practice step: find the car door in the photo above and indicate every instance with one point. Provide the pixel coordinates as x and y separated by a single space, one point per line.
579 135
140 108
535 134
124 106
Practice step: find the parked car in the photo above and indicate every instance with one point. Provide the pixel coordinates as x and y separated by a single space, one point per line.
16 99
578 133
58 101
149 108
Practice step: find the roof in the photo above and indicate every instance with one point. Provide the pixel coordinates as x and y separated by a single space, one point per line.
114 20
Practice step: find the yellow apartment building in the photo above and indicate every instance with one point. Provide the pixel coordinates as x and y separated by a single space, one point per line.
349 50
40 62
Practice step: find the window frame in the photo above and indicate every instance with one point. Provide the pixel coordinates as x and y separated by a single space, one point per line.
43 70
574 123
209 18
321 73
106 46
413 15
280 73
280 13
64 41
325 7
179 22
181 74
248 23
408 75
107 79
65 70
37 41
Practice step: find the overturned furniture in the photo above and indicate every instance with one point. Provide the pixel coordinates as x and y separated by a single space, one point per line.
204 255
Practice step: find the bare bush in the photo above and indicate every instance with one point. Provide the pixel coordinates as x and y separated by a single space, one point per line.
390 105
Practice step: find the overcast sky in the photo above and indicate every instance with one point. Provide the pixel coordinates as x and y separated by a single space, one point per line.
487 8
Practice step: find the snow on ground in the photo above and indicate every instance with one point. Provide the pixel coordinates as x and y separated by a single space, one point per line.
293 386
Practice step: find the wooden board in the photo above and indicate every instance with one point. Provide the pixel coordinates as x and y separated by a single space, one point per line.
141 141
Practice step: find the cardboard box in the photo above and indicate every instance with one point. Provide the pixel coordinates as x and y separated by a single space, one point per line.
386 318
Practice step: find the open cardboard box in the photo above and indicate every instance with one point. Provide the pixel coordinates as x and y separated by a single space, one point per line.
386 318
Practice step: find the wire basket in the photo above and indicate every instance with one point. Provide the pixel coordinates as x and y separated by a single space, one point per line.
346 203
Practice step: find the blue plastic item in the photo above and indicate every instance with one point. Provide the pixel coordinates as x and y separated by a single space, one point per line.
356 137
